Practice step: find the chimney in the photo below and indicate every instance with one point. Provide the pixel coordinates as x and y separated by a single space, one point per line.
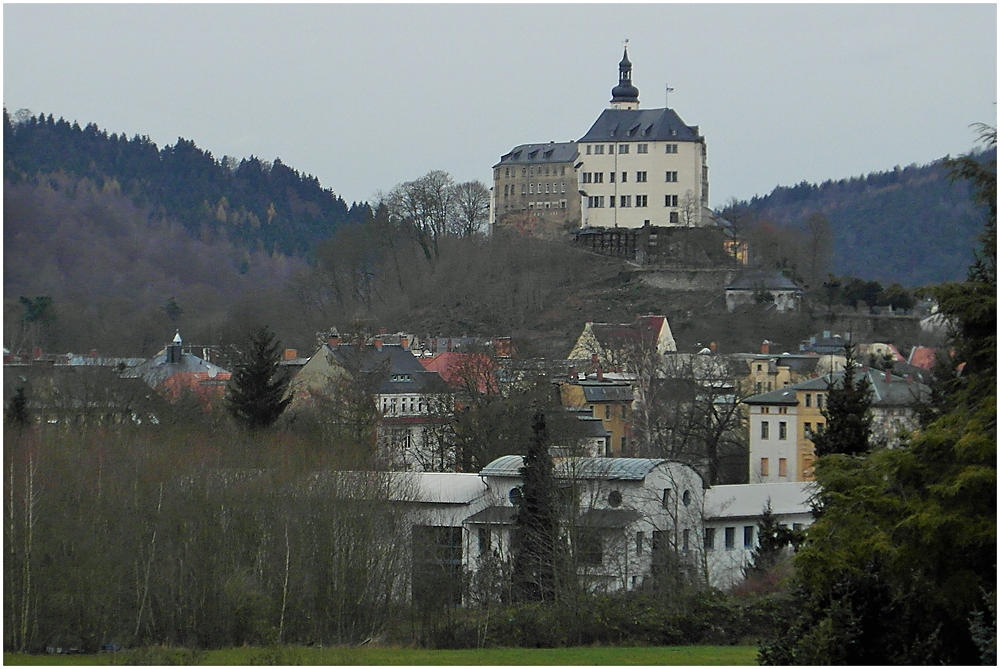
449 345
713 347
405 343
593 360
600 374
378 343
572 373
291 354
765 347
888 376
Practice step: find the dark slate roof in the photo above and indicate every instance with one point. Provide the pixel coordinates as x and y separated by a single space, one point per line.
757 280
404 373
895 392
609 469
608 518
530 154
156 370
494 515
597 391
638 125
592 427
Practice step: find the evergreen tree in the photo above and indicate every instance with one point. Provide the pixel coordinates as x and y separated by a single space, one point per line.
536 524
772 540
256 394
847 412
17 414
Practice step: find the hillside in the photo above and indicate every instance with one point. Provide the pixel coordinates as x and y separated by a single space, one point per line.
910 225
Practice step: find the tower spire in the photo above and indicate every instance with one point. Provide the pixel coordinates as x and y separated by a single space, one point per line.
625 95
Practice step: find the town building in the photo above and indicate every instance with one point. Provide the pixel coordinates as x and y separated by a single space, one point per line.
535 189
174 372
771 289
783 421
614 343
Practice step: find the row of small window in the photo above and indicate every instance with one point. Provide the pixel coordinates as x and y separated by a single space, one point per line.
546 205
556 170
597 201
640 177
405 405
765 430
598 149
529 189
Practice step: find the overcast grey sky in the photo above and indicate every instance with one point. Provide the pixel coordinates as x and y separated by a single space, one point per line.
365 96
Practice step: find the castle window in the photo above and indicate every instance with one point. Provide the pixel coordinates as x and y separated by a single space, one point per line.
563 187
546 187
523 189
531 188
531 171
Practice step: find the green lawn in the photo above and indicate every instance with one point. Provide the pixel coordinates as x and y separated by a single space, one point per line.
668 655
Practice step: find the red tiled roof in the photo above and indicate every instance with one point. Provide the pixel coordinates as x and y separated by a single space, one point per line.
457 368
923 357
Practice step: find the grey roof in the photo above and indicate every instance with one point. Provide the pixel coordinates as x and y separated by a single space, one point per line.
639 125
494 515
608 518
757 280
897 391
529 154
592 427
156 370
748 501
605 392
609 469
401 365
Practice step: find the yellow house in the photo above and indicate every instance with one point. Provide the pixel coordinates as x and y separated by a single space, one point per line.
610 401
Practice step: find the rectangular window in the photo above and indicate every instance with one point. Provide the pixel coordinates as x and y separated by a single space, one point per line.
640 177
612 200
666 498
484 540
782 430
598 177
730 538
531 188
809 399
624 177
642 148
671 177
782 467
531 171
819 400
626 200
765 429
748 536
807 430
588 149
686 540
611 177
599 150
710 538
638 542
819 427
671 148
641 200
546 187
562 187
669 200
623 148
675 217
524 171
765 467
591 549
523 189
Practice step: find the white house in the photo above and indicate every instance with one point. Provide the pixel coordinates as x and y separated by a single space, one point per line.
732 513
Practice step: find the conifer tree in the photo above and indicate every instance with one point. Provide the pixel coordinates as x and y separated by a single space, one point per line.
256 394
848 413
537 524
17 414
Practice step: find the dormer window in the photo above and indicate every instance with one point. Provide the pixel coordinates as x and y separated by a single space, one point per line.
401 378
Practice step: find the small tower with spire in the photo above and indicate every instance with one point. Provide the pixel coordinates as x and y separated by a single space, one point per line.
625 95
175 349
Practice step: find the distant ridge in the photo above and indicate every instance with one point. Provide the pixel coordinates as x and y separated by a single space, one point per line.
909 225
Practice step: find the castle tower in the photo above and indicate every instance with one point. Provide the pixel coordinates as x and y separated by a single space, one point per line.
625 95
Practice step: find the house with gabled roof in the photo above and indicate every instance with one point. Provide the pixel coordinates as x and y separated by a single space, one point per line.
614 343
757 286
783 421
411 401
174 371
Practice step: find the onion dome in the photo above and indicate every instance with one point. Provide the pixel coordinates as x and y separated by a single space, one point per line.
625 91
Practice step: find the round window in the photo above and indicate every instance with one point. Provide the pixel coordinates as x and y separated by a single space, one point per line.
516 496
686 498
615 498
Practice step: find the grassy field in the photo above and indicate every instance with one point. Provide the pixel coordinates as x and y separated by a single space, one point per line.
671 655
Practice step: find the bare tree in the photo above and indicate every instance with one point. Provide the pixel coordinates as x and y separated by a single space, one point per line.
424 206
471 208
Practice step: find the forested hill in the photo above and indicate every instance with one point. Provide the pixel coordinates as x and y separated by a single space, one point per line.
910 225
257 205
